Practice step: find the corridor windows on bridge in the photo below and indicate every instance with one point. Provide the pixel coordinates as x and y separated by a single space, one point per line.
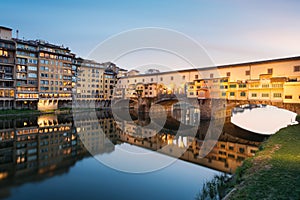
270 71
228 74
183 77
161 79
172 78
277 95
288 96
211 75
243 94
247 72
297 68
196 76
242 85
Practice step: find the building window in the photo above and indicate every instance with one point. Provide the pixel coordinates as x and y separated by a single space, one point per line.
242 85
161 79
264 95
288 97
32 75
183 77
253 95
228 74
232 86
231 156
277 95
270 71
296 68
3 53
151 79
196 76
247 72
232 94
265 85
241 150
172 78
223 94
32 68
277 85
191 93
211 75
243 94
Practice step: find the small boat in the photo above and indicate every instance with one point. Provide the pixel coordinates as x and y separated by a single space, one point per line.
237 109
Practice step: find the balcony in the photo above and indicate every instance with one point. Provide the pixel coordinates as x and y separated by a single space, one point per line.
21 77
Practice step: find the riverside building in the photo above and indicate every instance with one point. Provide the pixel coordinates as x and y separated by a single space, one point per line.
274 81
7 68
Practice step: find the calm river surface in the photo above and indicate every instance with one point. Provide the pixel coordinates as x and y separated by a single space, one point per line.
50 157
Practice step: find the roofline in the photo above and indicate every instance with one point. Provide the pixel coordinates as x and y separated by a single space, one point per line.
6 28
222 66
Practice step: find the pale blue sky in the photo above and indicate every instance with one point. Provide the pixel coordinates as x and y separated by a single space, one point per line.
230 30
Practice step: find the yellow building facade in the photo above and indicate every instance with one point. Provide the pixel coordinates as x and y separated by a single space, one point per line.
275 80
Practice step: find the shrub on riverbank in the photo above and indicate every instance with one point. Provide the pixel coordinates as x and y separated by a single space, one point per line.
214 189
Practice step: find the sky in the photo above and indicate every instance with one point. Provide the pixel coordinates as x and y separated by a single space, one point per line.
230 31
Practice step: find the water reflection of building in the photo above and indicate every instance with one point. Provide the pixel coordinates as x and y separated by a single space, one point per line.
186 113
96 132
37 145
226 155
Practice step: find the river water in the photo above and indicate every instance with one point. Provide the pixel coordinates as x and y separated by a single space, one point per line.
93 156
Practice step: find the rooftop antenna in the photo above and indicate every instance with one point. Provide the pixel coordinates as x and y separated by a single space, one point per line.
17 33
